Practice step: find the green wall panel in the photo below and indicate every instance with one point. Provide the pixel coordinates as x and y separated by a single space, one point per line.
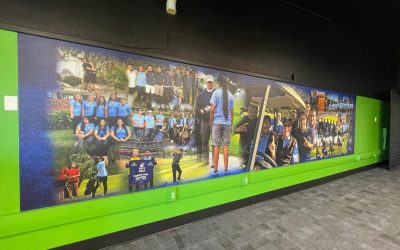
9 184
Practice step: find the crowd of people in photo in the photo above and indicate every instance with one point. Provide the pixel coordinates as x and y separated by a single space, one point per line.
162 85
290 140
104 122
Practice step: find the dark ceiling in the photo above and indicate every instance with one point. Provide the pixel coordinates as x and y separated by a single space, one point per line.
377 19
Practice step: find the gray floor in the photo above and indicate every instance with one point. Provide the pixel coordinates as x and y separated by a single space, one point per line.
361 211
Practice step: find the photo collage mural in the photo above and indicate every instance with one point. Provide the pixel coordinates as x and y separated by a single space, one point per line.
97 122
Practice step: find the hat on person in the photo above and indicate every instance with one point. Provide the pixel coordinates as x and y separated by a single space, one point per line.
209 78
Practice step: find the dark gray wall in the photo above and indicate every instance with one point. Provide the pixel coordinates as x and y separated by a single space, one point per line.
275 39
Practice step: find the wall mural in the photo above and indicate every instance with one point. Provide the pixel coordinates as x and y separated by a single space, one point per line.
97 122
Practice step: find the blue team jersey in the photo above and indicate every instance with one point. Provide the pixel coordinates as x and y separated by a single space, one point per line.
101 111
160 119
89 108
182 121
171 122
76 107
124 110
141 79
278 128
87 128
113 107
102 132
216 99
120 133
139 120
149 121
101 169
190 122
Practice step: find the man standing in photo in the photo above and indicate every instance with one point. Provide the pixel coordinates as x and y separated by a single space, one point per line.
177 154
159 82
151 81
131 74
221 121
141 83
202 111
101 176
187 86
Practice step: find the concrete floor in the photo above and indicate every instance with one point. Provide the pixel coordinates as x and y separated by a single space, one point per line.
361 211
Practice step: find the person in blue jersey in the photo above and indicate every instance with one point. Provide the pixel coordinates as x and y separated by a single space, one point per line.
84 132
182 120
120 132
160 118
190 122
101 109
149 125
101 132
89 108
138 123
141 83
170 126
278 126
148 157
112 109
221 120
75 111
124 110
101 176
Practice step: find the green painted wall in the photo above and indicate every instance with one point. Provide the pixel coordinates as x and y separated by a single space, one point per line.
60 225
